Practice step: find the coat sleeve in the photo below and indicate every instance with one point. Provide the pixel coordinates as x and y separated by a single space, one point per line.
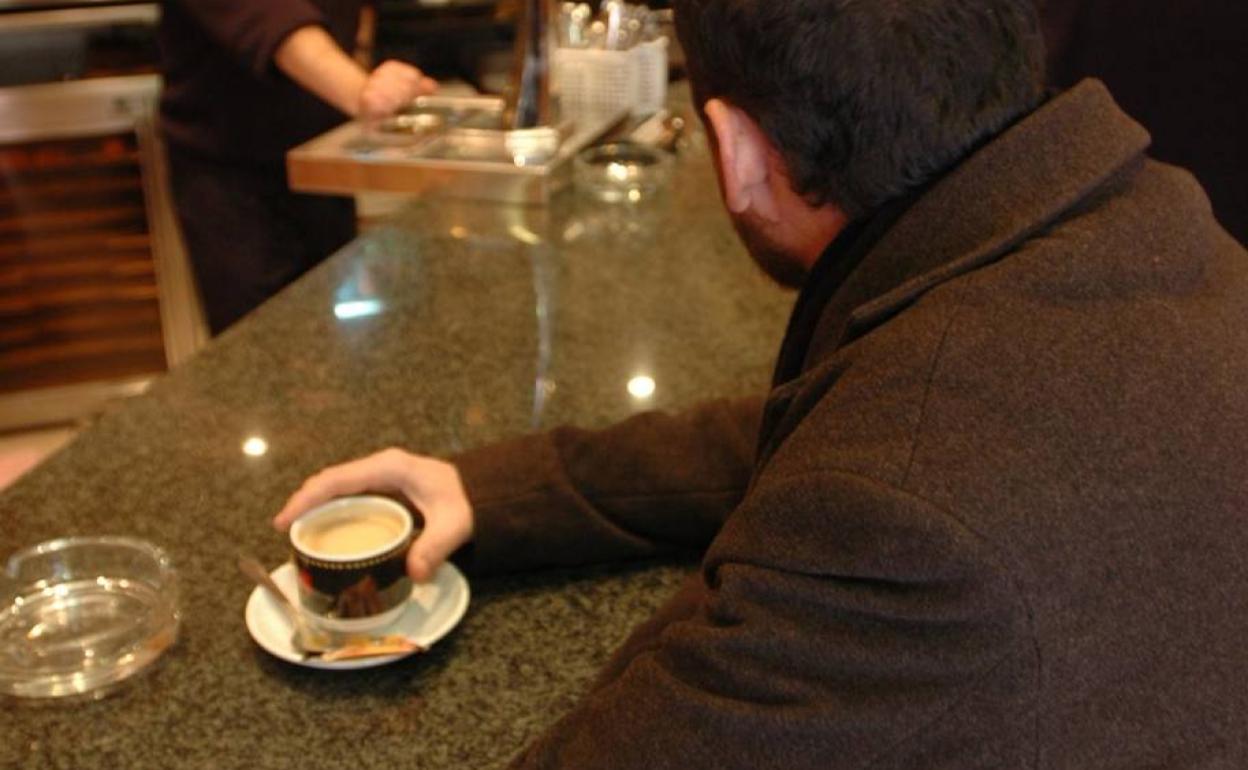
840 625
251 31
653 483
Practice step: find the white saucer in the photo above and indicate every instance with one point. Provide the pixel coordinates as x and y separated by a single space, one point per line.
435 608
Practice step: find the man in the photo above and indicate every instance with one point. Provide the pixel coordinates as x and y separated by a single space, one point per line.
992 512
244 83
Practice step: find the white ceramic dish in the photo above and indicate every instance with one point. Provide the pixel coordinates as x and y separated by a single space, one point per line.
434 609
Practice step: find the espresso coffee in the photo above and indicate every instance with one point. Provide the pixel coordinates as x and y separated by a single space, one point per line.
351 554
349 534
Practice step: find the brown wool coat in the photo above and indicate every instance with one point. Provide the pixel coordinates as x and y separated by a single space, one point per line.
998 520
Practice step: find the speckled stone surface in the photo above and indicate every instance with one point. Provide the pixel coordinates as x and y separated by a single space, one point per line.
493 320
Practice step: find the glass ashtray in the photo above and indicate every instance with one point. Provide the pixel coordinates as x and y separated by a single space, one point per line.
79 615
621 171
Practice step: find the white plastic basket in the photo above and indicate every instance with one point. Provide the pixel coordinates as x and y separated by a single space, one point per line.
595 80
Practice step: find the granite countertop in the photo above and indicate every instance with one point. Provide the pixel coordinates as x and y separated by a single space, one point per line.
449 325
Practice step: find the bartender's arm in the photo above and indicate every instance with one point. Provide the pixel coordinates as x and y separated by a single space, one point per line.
290 35
313 59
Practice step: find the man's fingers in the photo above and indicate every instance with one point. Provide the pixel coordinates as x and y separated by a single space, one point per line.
433 486
442 535
447 514
419 568
380 472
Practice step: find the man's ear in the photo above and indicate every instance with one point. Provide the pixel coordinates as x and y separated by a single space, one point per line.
744 152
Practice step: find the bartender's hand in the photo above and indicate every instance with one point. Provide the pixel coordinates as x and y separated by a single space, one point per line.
433 486
391 87
312 58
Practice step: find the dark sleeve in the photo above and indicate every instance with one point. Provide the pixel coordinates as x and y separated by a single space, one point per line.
251 30
840 625
651 483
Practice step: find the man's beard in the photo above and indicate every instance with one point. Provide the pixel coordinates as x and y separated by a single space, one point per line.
781 266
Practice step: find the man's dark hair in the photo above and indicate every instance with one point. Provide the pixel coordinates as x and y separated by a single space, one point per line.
866 99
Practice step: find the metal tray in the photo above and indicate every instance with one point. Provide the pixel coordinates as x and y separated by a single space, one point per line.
447 145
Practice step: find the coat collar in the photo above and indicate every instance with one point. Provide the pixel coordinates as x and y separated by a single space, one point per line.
1019 184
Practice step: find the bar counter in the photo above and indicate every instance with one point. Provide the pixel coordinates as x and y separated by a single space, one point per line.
451 324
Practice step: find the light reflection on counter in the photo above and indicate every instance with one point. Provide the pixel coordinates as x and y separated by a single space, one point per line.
357 308
255 446
523 234
641 387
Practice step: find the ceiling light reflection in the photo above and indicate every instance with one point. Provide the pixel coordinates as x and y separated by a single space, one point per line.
618 171
255 446
641 386
524 234
345 311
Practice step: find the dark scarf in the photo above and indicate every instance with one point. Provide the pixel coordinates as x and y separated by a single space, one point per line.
828 275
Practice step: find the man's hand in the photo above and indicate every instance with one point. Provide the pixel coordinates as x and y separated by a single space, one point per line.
390 87
433 486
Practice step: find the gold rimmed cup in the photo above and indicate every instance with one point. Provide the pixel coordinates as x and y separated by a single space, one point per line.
351 554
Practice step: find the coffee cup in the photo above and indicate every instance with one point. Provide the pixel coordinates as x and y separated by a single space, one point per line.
351 554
